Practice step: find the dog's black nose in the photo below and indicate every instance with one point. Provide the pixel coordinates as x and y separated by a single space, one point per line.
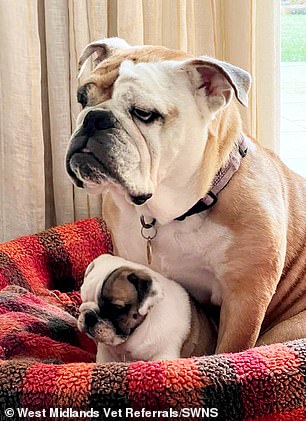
98 120
140 200
90 319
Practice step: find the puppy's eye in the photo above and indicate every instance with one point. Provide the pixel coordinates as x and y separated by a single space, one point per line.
122 308
118 306
145 116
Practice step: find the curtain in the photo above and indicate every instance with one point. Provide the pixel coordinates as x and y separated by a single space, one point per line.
40 41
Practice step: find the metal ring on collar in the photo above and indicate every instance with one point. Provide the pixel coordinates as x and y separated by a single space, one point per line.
148 237
146 225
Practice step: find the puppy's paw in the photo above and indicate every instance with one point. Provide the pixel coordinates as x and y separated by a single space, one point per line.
166 355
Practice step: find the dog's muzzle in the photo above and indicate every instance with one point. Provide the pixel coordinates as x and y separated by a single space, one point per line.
88 156
102 330
101 151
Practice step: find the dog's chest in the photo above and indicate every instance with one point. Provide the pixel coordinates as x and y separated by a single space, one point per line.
192 252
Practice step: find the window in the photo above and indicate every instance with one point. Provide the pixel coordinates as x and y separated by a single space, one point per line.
293 85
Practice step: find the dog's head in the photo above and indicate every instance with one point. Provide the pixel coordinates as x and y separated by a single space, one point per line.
116 298
147 112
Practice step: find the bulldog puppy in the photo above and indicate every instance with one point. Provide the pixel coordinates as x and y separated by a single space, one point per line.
134 313
187 191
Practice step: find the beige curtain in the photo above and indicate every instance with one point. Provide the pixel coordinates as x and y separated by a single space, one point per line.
40 41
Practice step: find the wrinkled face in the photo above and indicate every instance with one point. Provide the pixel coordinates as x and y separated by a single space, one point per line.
141 135
115 315
144 125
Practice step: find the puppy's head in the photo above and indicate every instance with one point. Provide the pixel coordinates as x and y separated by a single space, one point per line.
144 125
120 306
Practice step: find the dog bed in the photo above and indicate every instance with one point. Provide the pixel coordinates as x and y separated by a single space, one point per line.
46 364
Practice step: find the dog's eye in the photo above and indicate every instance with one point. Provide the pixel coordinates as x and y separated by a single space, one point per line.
122 308
82 97
118 307
82 94
144 116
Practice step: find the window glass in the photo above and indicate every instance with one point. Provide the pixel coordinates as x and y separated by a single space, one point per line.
293 85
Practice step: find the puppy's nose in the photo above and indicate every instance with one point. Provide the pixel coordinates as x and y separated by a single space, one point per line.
98 120
90 319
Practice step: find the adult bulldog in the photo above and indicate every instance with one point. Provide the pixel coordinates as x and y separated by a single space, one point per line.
186 190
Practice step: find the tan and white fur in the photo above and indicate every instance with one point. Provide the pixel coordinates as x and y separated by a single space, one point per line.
246 254
168 312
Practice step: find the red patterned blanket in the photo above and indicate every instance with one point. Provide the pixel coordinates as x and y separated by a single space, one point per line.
47 366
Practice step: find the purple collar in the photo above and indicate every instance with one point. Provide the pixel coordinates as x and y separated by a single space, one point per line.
221 179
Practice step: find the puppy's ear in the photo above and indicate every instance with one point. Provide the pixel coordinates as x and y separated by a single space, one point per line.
103 48
217 80
149 291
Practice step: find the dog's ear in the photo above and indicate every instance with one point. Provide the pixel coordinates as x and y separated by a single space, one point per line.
103 48
218 80
149 291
